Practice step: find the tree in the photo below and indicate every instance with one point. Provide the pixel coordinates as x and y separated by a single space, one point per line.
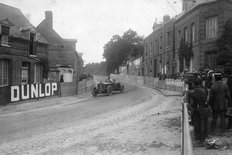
80 63
224 44
96 68
185 53
117 50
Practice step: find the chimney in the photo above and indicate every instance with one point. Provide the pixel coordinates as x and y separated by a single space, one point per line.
166 18
188 4
155 25
49 19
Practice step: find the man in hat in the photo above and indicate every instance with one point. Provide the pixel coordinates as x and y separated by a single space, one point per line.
197 103
208 82
220 100
229 84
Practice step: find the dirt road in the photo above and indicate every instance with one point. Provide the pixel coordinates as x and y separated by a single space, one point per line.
139 121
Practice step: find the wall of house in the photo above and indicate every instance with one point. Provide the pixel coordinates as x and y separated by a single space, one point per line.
42 51
158 46
203 46
135 67
17 53
203 49
181 24
64 58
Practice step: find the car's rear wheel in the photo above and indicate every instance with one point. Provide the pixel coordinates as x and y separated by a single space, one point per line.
122 88
109 90
94 92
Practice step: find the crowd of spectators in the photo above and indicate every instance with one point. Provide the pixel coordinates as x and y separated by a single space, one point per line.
209 99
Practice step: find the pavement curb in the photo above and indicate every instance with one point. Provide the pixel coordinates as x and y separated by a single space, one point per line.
38 104
163 93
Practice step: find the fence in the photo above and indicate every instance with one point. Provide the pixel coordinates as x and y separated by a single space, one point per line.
72 88
186 139
9 94
84 86
68 89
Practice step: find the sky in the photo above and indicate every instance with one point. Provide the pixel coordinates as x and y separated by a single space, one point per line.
94 22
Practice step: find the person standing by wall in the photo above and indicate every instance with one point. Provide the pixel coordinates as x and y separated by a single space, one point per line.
197 103
229 84
220 100
62 78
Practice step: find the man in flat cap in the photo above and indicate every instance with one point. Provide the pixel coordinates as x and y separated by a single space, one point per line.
220 100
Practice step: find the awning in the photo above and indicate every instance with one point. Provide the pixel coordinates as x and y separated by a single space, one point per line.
27 59
19 58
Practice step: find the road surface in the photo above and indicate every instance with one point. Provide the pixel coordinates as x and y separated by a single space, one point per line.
139 121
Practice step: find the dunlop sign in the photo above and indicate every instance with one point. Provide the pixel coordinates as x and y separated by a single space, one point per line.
30 91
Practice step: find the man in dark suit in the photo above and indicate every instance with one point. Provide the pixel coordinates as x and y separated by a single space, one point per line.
220 100
198 96
229 84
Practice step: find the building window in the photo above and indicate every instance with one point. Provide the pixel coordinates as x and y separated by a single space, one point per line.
37 73
146 68
25 71
211 59
4 71
151 49
31 45
193 33
179 38
168 39
160 42
5 32
185 34
156 45
211 27
146 49
150 67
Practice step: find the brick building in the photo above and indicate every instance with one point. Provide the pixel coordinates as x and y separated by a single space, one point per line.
200 24
23 52
62 53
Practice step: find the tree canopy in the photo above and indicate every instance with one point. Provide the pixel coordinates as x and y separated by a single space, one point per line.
80 63
96 68
117 50
185 53
224 44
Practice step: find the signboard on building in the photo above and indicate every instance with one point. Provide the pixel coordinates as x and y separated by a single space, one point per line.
33 91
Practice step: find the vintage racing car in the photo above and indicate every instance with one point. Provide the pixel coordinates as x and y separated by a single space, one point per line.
106 87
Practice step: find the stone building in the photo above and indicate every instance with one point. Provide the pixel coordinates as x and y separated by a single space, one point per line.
200 25
62 53
23 52
134 66
159 48
123 69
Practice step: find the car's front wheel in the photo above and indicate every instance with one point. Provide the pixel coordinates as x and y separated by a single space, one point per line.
94 92
109 90
122 88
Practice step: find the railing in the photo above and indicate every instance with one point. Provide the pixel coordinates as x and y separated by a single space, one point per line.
84 86
186 139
